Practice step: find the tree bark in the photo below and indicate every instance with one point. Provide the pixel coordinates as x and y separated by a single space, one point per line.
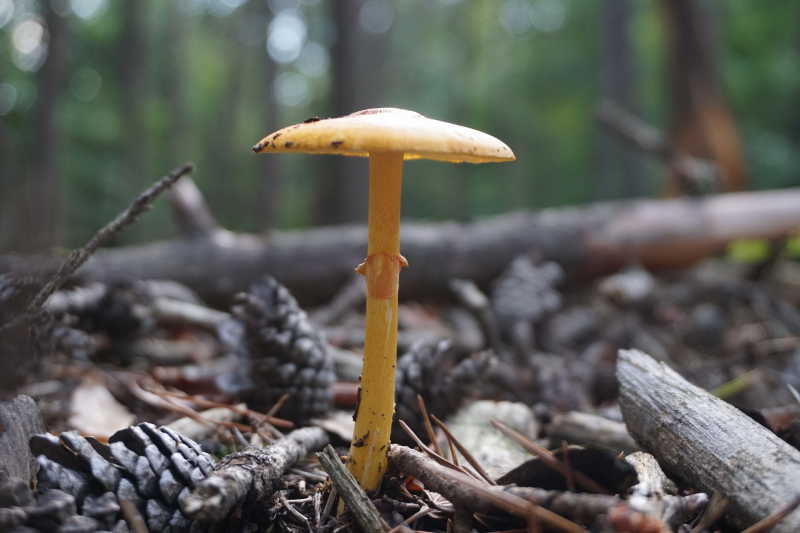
708 442
587 241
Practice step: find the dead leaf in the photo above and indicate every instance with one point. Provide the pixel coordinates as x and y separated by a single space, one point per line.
95 411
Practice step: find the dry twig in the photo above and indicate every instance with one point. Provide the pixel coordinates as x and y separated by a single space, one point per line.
78 257
471 493
432 454
465 452
356 500
426 419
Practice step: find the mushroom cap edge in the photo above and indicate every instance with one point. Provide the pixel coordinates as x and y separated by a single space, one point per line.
387 130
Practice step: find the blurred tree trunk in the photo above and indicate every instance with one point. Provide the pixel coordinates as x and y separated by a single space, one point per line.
621 169
702 123
342 187
39 223
7 173
174 36
132 56
222 138
269 191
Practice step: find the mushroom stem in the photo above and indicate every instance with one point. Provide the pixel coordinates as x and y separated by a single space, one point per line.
382 269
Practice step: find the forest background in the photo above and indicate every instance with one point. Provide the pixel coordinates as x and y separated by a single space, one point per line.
100 97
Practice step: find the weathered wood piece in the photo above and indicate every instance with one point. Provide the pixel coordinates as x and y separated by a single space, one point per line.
587 429
653 495
19 420
708 442
314 263
251 474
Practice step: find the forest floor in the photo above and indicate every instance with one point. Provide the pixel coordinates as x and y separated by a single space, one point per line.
636 403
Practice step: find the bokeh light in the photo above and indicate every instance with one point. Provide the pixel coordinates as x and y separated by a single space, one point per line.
548 15
313 60
285 36
30 48
6 12
520 16
376 16
87 9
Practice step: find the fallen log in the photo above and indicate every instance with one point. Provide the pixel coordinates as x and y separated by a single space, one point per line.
707 442
586 241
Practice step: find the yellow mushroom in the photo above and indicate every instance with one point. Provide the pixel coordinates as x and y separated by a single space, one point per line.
388 137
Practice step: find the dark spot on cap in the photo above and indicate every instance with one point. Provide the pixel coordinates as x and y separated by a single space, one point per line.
257 147
336 144
288 144
276 135
311 119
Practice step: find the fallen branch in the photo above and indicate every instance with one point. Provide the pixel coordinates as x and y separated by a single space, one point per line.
708 442
586 241
190 211
587 429
356 500
694 171
465 491
250 474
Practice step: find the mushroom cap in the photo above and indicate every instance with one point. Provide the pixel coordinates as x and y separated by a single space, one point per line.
388 130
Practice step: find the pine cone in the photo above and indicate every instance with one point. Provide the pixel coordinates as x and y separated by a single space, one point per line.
122 310
153 467
526 292
521 298
281 351
433 371
54 510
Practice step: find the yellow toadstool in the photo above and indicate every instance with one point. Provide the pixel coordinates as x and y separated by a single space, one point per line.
388 137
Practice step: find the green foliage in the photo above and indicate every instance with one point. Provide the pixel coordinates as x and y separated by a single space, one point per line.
748 250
